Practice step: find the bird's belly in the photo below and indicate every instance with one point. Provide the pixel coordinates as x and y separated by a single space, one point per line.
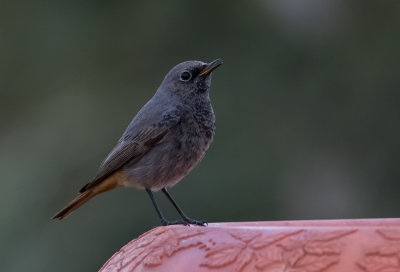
166 164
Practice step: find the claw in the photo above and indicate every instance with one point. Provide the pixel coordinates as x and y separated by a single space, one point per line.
185 222
178 222
195 222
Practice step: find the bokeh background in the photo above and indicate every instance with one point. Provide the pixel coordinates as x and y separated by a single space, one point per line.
307 106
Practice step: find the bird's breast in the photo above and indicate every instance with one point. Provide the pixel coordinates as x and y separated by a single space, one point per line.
176 155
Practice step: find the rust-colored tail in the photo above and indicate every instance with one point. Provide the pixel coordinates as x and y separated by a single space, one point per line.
75 204
105 185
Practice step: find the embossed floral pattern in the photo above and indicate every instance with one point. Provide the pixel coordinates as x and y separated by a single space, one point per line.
151 248
299 251
246 248
386 257
253 249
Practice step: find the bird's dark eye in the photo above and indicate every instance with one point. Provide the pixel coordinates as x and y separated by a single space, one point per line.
186 76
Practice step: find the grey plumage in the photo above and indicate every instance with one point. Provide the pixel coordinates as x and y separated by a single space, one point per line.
166 139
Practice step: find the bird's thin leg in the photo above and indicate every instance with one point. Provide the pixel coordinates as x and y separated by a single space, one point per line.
164 222
183 215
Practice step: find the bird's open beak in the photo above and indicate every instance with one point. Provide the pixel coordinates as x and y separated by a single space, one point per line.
211 67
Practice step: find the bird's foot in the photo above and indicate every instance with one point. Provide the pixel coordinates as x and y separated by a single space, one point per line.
185 221
195 222
178 222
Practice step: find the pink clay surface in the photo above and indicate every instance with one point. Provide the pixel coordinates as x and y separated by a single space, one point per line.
371 245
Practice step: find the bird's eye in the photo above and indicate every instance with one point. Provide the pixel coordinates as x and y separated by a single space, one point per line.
186 76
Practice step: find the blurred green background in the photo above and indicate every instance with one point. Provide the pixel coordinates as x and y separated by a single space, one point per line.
307 106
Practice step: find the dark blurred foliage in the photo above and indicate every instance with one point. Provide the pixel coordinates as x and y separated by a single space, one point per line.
307 106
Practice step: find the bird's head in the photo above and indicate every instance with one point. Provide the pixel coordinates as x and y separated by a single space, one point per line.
189 78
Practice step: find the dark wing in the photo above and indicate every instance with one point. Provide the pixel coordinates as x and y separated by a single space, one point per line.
126 151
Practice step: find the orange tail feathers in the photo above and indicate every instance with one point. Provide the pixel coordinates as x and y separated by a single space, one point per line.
105 185
75 204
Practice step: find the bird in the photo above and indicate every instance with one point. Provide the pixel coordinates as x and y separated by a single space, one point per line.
166 139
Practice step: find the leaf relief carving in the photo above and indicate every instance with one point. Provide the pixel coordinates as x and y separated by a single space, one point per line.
297 251
151 248
386 257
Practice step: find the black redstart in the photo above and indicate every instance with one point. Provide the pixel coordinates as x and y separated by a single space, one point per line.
165 140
